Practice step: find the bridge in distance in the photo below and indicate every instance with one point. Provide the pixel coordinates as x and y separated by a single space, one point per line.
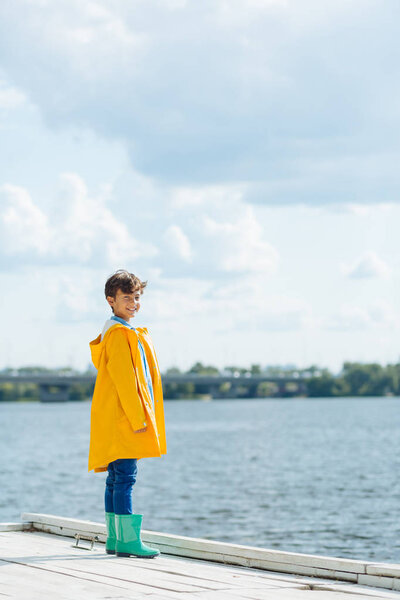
56 388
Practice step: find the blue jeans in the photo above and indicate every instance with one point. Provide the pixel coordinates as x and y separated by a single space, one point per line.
120 479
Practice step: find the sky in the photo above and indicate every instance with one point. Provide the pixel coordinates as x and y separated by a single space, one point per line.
241 157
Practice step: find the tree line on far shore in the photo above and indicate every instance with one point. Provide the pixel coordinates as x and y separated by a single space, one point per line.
354 379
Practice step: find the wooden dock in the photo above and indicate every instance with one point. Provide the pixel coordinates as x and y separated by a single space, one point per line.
46 556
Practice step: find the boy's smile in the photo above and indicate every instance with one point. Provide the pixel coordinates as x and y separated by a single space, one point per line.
125 305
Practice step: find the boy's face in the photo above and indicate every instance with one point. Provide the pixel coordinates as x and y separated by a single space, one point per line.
125 305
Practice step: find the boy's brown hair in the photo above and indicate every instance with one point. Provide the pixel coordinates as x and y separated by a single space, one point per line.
124 281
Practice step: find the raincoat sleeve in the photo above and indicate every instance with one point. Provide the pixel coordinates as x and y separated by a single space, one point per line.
122 373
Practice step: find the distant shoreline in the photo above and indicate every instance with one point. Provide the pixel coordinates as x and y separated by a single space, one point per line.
203 382
206 399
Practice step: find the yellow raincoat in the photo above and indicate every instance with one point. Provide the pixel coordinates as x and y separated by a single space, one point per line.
121 400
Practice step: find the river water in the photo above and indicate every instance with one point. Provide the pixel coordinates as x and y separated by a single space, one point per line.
318 476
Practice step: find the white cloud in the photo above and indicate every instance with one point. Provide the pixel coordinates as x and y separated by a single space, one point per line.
79 228
349 318
264 113
367 266
355 318
238 244
189 197
24 227
214 234
237 306
382 312
220 238
263 104
75 295
249 304
173 4
10 97
363 210
178 241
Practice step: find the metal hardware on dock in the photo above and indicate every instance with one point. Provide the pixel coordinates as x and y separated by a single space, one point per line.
80 536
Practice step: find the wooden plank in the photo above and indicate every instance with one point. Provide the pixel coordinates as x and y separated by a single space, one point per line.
256 593
88 565
195 570
14 526
387 569
54 557
358 589
197 583
376 581
24 581
233 595
125 585
212 556
274 595
307 570
272 566
315 595
251 552
72 561
289 563
249 572
62 531
203 571
68 523
302 570
131 572
114 574
176 544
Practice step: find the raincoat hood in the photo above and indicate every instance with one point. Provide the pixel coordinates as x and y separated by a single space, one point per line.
96 349
98 345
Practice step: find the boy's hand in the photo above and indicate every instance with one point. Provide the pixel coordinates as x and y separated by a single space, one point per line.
140 430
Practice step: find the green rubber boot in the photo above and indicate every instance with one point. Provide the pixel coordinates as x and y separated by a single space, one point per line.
111 537
129 542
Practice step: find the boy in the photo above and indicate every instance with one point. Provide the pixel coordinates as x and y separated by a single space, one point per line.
127 414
